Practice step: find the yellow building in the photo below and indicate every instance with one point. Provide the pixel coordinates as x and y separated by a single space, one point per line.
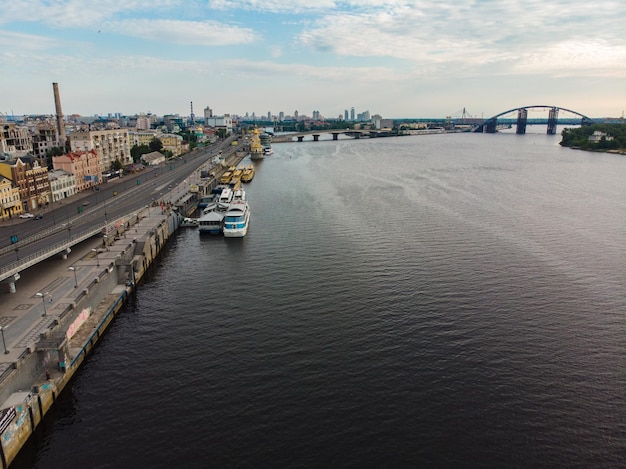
10 204
30 179
173 143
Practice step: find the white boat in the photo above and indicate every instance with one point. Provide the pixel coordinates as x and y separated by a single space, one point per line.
226 197
268 151
211 222
189 222
236 219
239 195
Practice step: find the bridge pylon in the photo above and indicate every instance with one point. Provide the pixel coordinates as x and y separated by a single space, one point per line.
553 118
522 117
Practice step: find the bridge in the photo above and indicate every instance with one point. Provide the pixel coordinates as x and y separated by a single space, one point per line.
490 125
354 133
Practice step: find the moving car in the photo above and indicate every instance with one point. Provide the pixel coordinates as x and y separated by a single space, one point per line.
26 215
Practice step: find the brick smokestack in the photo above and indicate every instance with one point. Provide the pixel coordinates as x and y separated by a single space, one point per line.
57 104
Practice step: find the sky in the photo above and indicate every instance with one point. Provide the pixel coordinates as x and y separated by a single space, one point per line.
394 58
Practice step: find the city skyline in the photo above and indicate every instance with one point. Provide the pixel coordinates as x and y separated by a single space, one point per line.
395 58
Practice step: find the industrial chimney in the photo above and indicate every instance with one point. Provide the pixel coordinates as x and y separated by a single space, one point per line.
60 125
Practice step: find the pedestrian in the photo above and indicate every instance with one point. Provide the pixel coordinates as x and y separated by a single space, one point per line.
47 375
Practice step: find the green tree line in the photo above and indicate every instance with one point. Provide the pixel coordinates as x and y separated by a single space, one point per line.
579 137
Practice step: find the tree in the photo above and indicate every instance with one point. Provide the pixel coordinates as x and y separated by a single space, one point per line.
55 151
156 144
222 133
137 150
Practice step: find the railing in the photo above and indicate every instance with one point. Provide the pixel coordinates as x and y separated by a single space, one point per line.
28 261
44 233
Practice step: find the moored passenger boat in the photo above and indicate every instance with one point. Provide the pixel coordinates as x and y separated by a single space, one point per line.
248 174
226 176
211 222
226 197
236 219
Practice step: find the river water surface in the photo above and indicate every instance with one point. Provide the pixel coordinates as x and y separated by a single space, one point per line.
445 300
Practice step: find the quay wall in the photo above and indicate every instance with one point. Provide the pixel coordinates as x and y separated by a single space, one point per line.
26 391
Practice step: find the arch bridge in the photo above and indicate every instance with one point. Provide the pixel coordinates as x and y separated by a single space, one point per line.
490 125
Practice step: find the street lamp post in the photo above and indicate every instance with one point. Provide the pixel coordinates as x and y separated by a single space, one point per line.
4 344
97 258
43 302
73 269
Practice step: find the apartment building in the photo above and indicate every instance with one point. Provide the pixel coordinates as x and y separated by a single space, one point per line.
111 145
15 141
62 184
173 143
84 165
141 137
45 137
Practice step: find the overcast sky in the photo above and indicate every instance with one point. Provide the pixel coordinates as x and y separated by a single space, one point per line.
396 58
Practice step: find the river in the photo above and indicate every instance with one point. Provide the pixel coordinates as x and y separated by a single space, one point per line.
445 300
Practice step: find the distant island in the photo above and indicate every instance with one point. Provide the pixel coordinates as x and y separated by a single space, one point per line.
596 137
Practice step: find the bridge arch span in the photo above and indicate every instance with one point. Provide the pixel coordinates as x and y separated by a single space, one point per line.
490 125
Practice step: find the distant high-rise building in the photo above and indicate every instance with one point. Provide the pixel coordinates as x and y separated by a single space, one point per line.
281 116
363 116
295 115
143 122
352 114
345 113
269 115
208 113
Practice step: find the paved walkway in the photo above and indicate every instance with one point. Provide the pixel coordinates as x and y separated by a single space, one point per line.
22 313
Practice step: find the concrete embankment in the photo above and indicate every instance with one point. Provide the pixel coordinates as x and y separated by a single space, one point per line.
84 300
31 383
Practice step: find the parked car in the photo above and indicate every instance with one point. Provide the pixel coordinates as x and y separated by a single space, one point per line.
38 217
86 202
26 215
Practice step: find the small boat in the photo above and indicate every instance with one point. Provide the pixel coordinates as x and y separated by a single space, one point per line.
189 222
225 179
268 151
235 183
239 195
236 173
236 219
248 174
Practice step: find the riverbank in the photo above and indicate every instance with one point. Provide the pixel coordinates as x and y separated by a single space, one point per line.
79 294
76 314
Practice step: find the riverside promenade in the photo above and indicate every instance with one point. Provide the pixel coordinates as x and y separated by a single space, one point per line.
58 313
63 305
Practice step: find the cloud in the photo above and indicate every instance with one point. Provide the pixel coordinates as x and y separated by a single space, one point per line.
205 33
278 6
12 41
473 34
75 13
